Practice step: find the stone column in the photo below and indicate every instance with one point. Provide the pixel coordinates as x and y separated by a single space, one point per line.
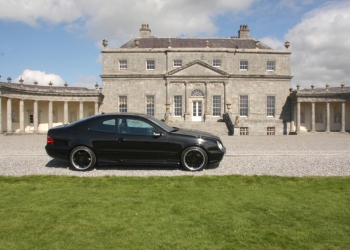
0 114
96 108
327 117
36 117
342 130
292 118
186 102
225 96
81 110
65 113
206 99
9 115
21 116
167 92
298 117
313 129
50 114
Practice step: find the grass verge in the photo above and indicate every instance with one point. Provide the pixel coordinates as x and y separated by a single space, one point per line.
227 212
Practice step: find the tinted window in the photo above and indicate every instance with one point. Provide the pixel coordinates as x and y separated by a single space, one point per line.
134 127
105 126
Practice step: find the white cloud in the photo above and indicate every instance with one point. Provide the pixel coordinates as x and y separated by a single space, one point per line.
85 82
320 46
119 20
272 42
30 76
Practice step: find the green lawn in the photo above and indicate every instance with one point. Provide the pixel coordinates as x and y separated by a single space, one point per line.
229 212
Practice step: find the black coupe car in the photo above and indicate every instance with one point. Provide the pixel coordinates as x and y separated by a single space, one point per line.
131 139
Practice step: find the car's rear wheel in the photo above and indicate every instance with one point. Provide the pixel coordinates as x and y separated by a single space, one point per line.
82 158
194 158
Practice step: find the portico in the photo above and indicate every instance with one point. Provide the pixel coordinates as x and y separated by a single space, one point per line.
320 110
35 109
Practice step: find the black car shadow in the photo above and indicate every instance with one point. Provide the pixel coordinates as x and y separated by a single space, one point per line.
56 163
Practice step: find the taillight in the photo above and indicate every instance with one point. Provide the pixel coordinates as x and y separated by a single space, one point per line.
50 140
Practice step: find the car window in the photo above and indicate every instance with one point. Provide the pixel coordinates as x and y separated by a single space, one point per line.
105 126
134 127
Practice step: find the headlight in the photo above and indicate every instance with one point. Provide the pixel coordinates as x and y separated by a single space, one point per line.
219 145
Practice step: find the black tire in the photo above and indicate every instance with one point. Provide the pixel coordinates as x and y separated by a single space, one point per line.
194 159
82 158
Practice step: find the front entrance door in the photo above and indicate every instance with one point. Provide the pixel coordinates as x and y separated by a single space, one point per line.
197 111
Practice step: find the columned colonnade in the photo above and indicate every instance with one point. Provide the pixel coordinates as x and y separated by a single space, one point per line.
42 107
320 110
9 113
313 118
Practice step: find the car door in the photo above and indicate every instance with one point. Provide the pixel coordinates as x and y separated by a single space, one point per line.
140 142
103 139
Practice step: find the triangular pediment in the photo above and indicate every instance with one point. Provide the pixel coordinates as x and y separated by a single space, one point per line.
197 68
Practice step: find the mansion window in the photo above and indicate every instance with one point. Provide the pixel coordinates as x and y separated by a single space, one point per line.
243 131
150 105
270 66
270 106
123 64
270 130
243 65
123 104
216 105
217 63
243 105
178 105
150 65
177 63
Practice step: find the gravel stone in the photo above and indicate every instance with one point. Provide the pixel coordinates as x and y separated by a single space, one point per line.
317 154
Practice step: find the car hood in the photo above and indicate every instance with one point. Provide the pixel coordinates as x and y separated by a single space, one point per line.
195 133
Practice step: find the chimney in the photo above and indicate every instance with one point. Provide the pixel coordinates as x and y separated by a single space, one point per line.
243 31
145 31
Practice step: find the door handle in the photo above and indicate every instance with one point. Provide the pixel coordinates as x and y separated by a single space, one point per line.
120 139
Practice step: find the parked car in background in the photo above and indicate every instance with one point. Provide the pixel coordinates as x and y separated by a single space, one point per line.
131 139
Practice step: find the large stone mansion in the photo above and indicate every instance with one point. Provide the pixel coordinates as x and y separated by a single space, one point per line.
186 81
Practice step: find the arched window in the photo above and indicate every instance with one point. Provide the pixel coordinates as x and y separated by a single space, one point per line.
197 92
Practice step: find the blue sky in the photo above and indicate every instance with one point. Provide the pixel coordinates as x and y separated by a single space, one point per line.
60 40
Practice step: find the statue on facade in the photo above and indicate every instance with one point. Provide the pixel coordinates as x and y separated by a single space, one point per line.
237 121
319 118
166 117
337 118
14 116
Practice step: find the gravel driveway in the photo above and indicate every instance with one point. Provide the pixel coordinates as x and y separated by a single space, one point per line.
316 154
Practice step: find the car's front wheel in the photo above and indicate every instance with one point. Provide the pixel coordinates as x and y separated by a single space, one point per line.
194 158
82 158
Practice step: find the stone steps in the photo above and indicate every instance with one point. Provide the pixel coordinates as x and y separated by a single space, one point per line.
216 128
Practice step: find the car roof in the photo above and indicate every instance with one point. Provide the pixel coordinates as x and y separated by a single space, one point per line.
124 114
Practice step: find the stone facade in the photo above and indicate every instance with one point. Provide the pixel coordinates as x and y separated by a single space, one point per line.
220 69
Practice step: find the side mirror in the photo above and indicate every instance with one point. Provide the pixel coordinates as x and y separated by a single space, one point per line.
157 134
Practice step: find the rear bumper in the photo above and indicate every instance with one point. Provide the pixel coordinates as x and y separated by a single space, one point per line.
57 152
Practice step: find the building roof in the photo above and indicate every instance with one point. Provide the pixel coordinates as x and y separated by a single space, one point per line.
179 42
51 90
324 90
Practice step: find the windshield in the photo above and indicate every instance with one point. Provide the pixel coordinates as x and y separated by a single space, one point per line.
161 124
